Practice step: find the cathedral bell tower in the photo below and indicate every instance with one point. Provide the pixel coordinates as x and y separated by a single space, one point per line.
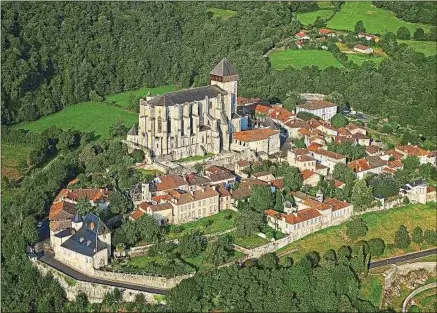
225 76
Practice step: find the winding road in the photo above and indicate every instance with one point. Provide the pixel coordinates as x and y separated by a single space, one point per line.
415 292
51 261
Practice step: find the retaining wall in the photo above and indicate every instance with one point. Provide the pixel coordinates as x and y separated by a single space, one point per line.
142 280
95 292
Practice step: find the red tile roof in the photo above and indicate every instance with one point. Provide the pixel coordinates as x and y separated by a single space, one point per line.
430 189
62 210
412 150
395 164
395 154
336 204
361 47
307 174
170 182
255 134
278 183
136 214
338 183
223 192
280 114
76 194
325 31
300 34
329 154
262 109
372 149
295 218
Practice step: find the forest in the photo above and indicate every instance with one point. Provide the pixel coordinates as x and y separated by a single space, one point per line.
61 53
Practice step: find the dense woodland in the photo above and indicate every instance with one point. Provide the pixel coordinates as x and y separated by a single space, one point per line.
411 11
57 54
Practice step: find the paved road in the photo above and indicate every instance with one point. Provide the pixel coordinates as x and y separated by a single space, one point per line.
49 260
415 292
403 258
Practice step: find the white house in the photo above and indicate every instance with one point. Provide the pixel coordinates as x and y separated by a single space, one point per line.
260 140
323 109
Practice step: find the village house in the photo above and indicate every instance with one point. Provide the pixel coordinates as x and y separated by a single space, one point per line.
264 141
354 129
164 183
162 212
244 190
294 127
368 37
302 36
301 159
323 109
96 197
415 191
325 157
218 175
240 166
373 150
264 176
363 49
423 155
367 165
327 32
84 246
310 178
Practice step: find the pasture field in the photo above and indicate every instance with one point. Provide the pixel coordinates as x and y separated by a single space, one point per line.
310 17
12 156
383 224
360 59
90 116
221 13
429 48
372 288
376 20
281 59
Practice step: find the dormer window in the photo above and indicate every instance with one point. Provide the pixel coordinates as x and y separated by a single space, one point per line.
81 239
88 243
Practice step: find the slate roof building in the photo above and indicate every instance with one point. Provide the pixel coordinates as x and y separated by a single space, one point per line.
190 122
84 246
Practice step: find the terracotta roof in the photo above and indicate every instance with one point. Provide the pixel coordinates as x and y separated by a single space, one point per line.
295 218
395 154
181 197
170 182
259 174
365 164
193 179
262 109
244 190
255 134
325 31
300 34
372 149
361 47
62 210
216 173
352 126
317 105
161 198
343 131
136 214
430 189
395 164
278 183
336 204
307 174
389 170
412 150
242 100
314 147
76 194
341 139
280 114
320 166
304 158
223 192
300 151
74 181
298 124
329 154
359 136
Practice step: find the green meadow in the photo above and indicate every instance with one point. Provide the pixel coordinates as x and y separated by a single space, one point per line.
376 20
360 59
429 48
221 13
96 117
12 156
310 17
281 59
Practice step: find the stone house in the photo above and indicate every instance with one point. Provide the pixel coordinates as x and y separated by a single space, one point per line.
415 191
326 158
370 164
301 159
261 140
85 246
310 178
423 155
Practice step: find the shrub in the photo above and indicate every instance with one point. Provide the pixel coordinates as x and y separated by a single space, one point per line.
377 246
402 238
339 120
430 237
417 235
356 228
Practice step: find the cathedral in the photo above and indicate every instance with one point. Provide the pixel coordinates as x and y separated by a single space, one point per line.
190 122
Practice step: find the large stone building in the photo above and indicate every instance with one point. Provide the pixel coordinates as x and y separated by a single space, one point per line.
192 121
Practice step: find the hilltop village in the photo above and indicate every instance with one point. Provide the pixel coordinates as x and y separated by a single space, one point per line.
281 174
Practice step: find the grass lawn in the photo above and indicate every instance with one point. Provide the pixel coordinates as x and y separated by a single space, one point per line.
195 158
380 224
221 13
310 17
201 265
122 98
360 59
372 288
220 222
12 155
376 20
249 242
429 48
281 59
86 116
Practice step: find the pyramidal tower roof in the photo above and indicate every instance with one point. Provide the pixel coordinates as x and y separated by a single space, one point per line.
224 68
